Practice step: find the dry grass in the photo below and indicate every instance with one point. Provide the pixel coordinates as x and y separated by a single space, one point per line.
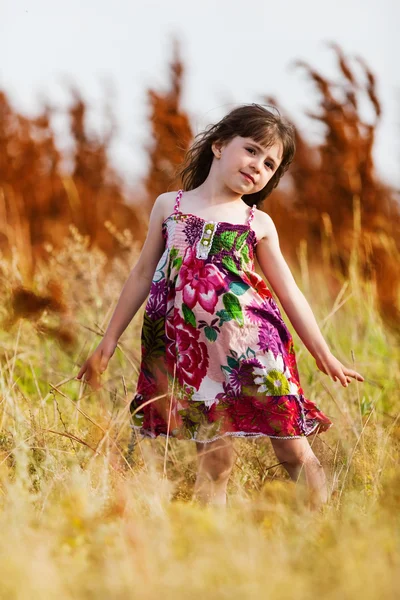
85 516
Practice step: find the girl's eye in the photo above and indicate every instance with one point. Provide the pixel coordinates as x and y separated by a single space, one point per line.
267 163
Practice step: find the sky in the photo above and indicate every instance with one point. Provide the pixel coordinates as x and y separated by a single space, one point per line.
234 52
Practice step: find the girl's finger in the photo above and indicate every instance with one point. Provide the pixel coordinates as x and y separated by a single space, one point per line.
103 363
342 378
81 371
95 381
354 374
89 374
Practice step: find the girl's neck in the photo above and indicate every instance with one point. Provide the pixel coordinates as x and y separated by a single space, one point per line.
211 193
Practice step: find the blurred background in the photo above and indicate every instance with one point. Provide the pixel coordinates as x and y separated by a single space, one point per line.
99 102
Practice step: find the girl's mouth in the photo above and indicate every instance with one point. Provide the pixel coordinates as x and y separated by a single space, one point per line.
248 177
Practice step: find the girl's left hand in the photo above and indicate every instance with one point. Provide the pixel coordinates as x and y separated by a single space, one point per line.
331 366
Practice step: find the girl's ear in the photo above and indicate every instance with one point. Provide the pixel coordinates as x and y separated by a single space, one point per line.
216 147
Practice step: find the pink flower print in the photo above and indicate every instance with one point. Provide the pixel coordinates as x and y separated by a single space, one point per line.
200 282
184 348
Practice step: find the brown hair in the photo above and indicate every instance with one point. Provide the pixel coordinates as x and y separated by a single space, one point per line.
252 121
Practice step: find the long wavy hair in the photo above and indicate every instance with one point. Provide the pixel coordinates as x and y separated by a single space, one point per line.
248 120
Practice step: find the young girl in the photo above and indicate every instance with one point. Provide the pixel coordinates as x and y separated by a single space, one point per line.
217 358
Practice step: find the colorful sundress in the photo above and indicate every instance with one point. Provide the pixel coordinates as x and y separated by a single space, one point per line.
217 357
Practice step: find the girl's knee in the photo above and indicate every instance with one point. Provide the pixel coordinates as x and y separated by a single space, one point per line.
219 474
217 462
295 453
219 467
300 458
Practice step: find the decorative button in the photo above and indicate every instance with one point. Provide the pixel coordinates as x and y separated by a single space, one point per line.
204 245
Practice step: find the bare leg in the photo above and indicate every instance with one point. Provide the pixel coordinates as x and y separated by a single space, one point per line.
302 465
215 463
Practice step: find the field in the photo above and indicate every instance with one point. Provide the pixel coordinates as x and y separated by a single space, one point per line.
88 512
84 514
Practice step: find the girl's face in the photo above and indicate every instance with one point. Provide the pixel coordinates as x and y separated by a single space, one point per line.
246 166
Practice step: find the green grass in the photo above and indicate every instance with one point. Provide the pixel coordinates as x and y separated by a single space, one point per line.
81 518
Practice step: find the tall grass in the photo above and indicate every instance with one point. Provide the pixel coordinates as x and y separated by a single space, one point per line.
84 514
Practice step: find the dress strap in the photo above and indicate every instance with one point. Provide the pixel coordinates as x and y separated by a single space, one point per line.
177 201
251 215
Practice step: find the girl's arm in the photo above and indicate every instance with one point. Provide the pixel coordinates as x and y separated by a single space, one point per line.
137 286
133 294
277 271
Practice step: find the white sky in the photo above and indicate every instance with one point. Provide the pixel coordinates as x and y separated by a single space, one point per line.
234 52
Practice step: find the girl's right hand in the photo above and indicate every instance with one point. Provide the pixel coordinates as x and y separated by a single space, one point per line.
331 366
97 363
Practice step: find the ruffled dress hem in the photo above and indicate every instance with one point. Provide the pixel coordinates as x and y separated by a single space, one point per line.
147 433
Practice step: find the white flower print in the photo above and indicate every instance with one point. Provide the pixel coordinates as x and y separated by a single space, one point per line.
272 376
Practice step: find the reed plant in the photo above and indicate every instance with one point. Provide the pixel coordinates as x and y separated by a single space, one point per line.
87 511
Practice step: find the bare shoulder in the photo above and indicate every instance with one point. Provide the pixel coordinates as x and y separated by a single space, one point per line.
264 226
165 203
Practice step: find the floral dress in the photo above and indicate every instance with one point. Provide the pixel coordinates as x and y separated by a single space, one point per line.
217 357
